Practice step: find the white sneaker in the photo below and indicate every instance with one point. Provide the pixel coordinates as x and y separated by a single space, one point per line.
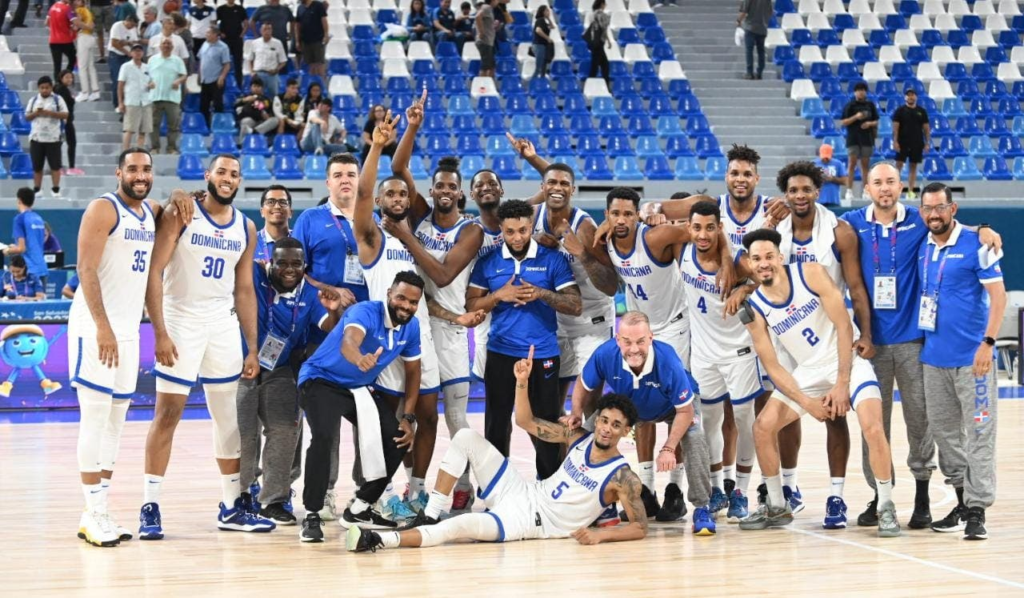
95 528
330 511
81 97
94 96
123 533
55 195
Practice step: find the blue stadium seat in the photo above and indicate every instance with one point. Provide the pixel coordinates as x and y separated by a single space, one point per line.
286 144
956 72
971 23
901 71
446 50
1008 39
418 168
661 104
1018 169
545 103
627 169
254 168
384 168
824 126
838 144
9 144
884 88
465 124
581 123
784 6
190 168
707 147
193 122
812 108
3 82
618 145
678 146
679 87
560 69
842 22
434 124
864 54
315 167
783 54
460 105
648 146
967 126
506 168
224 122
829 37
470 164
339 66
931 38
848 71
10 102
964 169
610 125
558 143
995 169
688 169
819 71
894 23
654 35
498 145
916 55
995 126
517 103
589 144
1018 126
980 146
952 147
633 105
934 169
715 168
983 72
362 32
657 168
941 126
192 143
879 38
995 55
522 125
3 171
595 168
696 126
953 108
909 7
801 37
1010 147
645 70
438 144
647 20
628 35
224 143
639 124
884 126
792 70
286 167
997 91
604 106
885 150
468 144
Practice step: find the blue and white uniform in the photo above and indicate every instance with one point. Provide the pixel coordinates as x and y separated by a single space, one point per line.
734 229
199 303
492 241
805 331
122 272
579 336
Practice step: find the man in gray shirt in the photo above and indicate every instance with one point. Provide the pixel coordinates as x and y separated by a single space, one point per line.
753 19
485 34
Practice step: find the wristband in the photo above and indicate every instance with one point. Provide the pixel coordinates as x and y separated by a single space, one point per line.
667 449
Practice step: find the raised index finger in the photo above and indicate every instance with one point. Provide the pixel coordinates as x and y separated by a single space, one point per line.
529 356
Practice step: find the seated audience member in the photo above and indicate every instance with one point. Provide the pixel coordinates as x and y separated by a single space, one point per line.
418 22
288 110
69 290
324 132
254 111
19 285
376 114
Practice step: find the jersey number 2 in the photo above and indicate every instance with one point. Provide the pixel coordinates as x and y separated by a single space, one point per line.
139 265
558 491
213 267
812 339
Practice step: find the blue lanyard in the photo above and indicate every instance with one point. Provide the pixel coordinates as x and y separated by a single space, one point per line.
892 246
264 245
347 234
270 305
942 266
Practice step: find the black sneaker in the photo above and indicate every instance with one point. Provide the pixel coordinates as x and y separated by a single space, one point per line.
368 519
650 504
250 504
674 507
358 539
311 529
869 518
954 522
730 485
278 514
762 494
420 520
975 528
922 516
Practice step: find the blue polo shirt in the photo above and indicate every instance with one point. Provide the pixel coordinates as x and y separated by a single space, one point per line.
30 226
27 287
264 247
661 387
326 247
963 302
73 282
891 326
287 315
327 363
829 195
515 328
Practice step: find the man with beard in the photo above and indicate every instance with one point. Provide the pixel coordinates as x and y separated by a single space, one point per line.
486 191
798 306
200 278
334 383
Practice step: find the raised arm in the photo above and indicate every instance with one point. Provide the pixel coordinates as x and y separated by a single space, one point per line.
535 426
849 254
457 260
403 153
597 263
99 219
368 236
245 303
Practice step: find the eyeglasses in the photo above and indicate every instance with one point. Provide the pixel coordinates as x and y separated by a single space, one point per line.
281 203
942 208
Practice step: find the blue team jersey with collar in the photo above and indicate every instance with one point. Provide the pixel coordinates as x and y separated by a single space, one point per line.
892 326
514 329
963 302
265 247
287 315
326 247
662 386
30 226
26 287
327 363
829 194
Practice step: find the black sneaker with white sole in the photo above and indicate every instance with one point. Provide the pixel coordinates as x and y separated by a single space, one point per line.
869 518
368 519
420 520
278 514
358 539
975 528
954 522
312 528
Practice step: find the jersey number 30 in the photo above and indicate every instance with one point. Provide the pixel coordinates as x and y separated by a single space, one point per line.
139 265
213 267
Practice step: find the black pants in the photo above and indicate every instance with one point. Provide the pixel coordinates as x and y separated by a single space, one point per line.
235 45
754 41
545 400
598 59
72 142
210 92
19 14
325 404
57 51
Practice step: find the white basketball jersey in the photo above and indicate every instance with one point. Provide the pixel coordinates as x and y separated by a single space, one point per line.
598 308
574 495
123 271
800 324
652 287
712 338
380 275
734 229
439 242
199 281
492 240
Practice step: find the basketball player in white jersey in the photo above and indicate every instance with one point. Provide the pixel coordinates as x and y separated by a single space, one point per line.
382 255
799 306
200 289
593 475
486 191
115 246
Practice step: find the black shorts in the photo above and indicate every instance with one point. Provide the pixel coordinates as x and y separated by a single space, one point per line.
908 153
486 56
50 152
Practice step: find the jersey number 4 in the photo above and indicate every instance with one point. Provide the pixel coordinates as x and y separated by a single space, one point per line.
213 267
558 491
139 265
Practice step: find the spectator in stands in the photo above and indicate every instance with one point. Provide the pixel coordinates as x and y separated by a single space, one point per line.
314 95
598 38
51 244
63 88
543 47
214 64
133 85
501 19
45 111
464 22
19 285
311 34
833 176
124 8
62 36
267 58
29 231
860 117
444 24
182 30
85 46
280 18
200 17
255 112
378 113
911 136
69 290
753 19
103 19
168 32
324 132
149 26
233 21
122 35
288 110
418 22
486 28
169 74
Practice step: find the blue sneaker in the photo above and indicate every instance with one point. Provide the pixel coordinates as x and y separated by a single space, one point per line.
737 507
250 504
254 489
609 517
238 519
396 510
288 503
718 501
417 502
794 497
149 522
703 524
835 513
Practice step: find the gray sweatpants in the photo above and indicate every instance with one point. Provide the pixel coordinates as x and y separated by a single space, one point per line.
270 402
696 460
962 414
902 363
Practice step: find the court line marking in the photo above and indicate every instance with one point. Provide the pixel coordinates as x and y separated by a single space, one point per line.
907 557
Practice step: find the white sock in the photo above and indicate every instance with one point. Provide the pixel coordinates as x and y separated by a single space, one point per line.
230 488
884 491
742 482
151 488
729 472
358 506
437 504
717 479
93 497
390 539
789 478
647 474
389 491
105 495
775 496
408 473
676 476
416 485
837 486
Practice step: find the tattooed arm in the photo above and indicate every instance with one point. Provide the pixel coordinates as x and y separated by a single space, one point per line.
535 426
567 301
625 488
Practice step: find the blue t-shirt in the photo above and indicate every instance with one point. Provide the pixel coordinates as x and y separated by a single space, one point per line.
662 386
515 328
962 299
891 326
27 287
288 316
30 226
326 247
829 195
327 363
73 282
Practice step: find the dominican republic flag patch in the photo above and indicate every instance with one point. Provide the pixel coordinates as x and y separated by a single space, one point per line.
981 417
548 364
790 310
218 233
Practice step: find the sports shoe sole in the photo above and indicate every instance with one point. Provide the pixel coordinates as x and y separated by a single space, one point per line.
365 525
920 524
734 518
234 527
151 535
284 523
833 525
950 530
352 538
82 535
977 537
306 540
704 531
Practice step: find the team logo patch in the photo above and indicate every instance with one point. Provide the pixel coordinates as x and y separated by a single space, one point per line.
548 364
684 396
790 310
625 263
741 230
801 251
981 417
218 233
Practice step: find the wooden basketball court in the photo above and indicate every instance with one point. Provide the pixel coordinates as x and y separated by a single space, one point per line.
42 556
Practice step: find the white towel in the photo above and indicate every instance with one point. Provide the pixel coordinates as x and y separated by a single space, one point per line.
371 445
823 234
988 256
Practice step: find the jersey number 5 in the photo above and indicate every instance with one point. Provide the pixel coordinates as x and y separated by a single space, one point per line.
558 491
812 339
139 265
213 267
